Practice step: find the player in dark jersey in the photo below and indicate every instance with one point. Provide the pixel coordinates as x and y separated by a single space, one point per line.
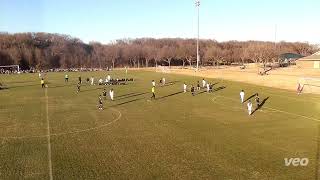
78 87
80 81
192 90
104 94
257 99
100 103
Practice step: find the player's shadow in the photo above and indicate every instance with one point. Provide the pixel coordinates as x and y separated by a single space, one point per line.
261 104
127 102
3 88
130 96
219 88
250 97
215 83
123 95
200 93
173 94
87 90
60 86
170 83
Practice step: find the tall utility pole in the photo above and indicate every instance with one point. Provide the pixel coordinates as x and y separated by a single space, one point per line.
198 56
275 36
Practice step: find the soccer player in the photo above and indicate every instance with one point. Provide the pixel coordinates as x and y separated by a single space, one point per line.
257 99
88 80
242 96
78 87
104 94
203 83
184 87
80 81
66 78
106 81
208 87
100 81
249 107
109 78
42 83
153 93
100 105
111 93
163 81
198 86
300 88
92 81
153 83
192 90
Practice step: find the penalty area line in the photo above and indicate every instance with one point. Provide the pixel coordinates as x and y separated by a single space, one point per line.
278 110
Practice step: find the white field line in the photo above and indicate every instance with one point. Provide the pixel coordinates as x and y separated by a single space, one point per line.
237 108
314 99
278 110
71 132
90 129
48 136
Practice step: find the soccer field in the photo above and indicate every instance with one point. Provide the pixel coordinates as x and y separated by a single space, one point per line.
57 133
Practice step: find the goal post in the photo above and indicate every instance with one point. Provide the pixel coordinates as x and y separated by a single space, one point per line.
309 85
7 69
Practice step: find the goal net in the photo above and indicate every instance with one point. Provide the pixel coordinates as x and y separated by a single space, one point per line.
309 85
9 69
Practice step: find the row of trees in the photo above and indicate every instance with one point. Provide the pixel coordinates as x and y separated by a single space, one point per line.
45 51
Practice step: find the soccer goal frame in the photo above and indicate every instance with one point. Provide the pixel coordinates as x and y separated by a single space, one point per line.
309 85
11 66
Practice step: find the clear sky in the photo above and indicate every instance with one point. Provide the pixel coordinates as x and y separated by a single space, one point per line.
106 20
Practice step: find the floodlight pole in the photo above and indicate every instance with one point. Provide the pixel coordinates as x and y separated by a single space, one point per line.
198 56
275 36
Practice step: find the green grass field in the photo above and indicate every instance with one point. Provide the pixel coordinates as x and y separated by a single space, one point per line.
177 136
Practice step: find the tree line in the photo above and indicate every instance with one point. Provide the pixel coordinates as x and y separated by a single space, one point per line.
46 51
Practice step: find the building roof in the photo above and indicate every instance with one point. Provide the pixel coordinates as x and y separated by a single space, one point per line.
290 56
313 57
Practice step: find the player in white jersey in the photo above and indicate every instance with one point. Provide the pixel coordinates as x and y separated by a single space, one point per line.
249 107
163 81
184 87
242 96
203 83
111 93
92 81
